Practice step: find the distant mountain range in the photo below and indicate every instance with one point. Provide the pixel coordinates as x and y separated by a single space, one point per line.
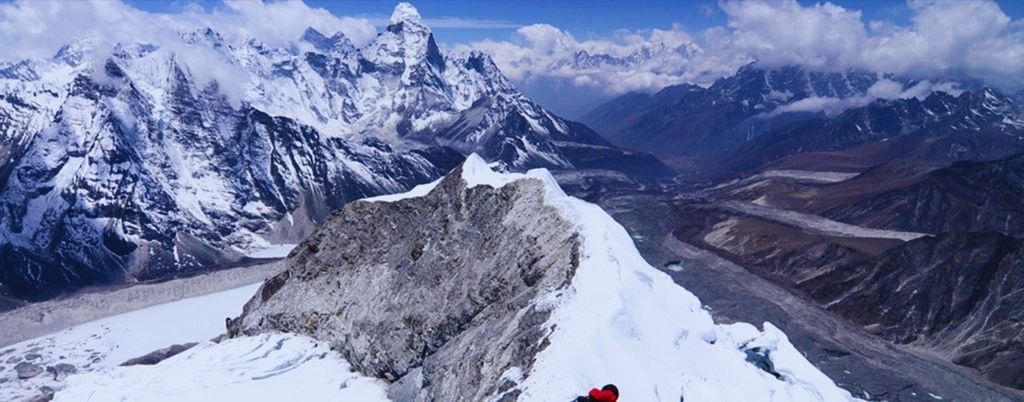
156 161
791 117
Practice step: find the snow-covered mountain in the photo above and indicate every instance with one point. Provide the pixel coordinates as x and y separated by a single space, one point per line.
693 121
454 314
137 160
763 115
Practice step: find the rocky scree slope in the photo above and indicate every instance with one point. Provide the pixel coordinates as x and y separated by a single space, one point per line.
139 164
964 197
488 286
958 294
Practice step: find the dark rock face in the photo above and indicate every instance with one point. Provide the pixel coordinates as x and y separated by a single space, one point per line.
965 197
61 370
960 294
159 355
410 289
27 370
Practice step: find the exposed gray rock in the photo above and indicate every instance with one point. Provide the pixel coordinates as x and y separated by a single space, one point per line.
32 356
61 370
759 358
961 294
27 370
432 293
44 396
159 355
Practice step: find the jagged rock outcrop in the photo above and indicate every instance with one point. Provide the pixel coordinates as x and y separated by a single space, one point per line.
159 355
487 286
414 289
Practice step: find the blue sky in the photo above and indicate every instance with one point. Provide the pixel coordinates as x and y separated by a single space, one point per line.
583 19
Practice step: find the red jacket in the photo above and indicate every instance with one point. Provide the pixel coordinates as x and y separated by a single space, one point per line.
598 395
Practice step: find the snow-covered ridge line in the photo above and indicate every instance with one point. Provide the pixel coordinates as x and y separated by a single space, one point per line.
623 321
614 318
475 172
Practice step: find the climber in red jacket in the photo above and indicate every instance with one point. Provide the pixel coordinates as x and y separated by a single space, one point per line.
607 393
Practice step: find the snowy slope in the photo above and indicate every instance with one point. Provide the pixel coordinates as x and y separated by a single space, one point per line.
270 367
625 322
108 342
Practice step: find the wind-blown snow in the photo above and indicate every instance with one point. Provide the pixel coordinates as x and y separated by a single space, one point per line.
627 323
107 342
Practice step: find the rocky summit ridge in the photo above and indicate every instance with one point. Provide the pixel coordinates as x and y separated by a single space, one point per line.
498 286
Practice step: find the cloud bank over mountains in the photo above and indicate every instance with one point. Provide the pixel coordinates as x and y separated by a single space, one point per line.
965 40
959 39
32 29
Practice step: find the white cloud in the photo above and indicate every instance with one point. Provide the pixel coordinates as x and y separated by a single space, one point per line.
32 29
972 39
882 89
629 61
37 29
818 36
945 39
